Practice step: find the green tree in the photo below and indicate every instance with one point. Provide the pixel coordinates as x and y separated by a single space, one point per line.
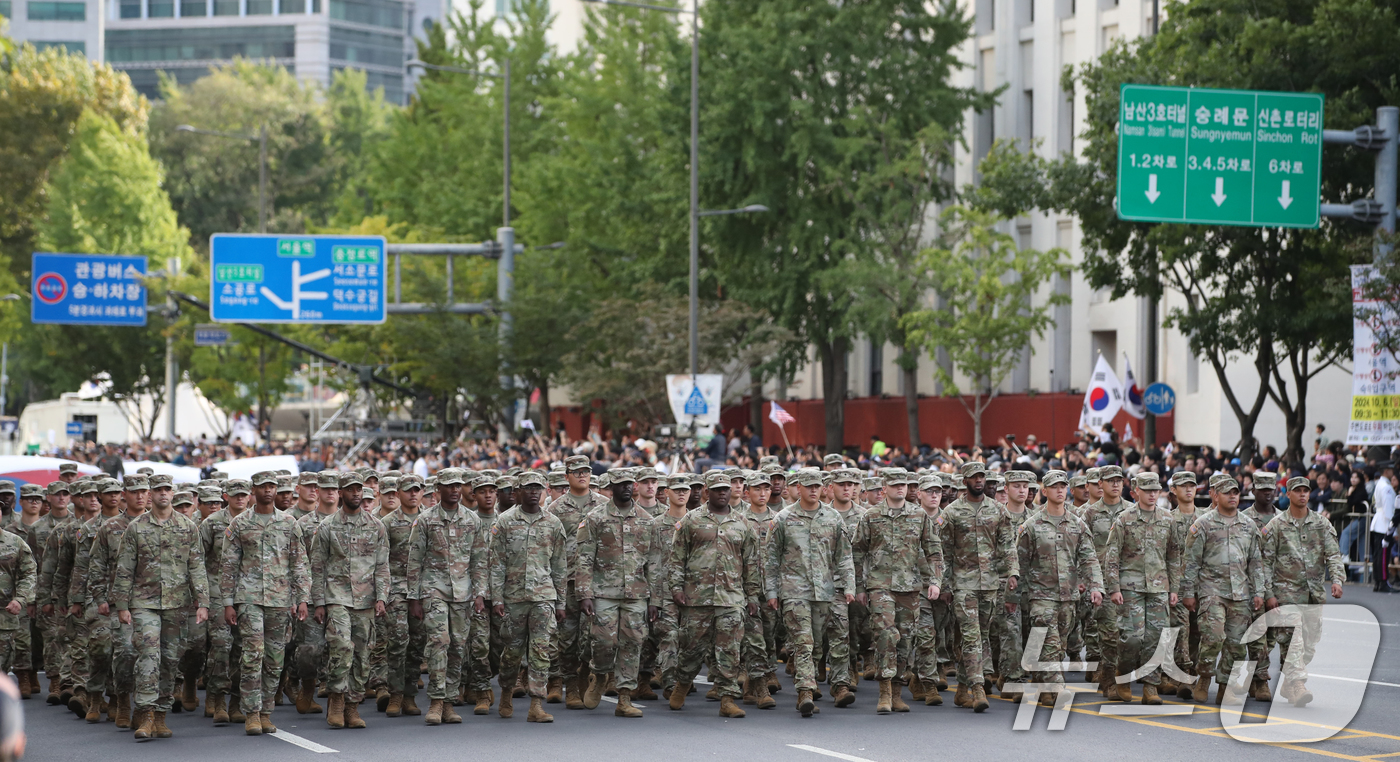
987 319
804 104
251 376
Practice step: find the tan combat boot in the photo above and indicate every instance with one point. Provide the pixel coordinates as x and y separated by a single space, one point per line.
147 726
931 695
335 710
1200 692
1301 695
449 715
805 704
594 694
537 712
381 699
483 702
1261 691
306 697
748 698
77 703
773 685
643 691
22 683
678 694
1185 691
189 696
252 726
1047 699
395 707
624 704
434 715
843 696
522 684
265 720
507 708
410 707
897 698
882 704
1149 695
917 691
122 713
727 707
573 693
54 691
211 706
713 693
235 708
961 696
979 699
162 730
761 698
94 710
554 691
1166 686
352 715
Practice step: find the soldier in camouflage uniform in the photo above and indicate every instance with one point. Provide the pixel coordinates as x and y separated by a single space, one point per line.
406 641
528 576
845 500
31 504
158 572
1300 554
54 584
307 495
446 581
1014 622
349 587
379 643
714 576
808 568
1182 485
644 494
1265 487
761 632
1056 557
898 560
52 633
222 675
18 582
933 632
978 545
1224 582
1099 516
264 583
1142 570
613 584
116 653
665 630
567 671
484 651
310 634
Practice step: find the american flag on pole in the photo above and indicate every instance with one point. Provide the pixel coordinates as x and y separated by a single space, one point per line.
780 416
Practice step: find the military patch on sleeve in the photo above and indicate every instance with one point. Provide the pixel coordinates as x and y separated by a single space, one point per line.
495 529
678 525
581 523
1193 529
1264 530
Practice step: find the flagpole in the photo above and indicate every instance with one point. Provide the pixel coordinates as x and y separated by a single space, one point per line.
783 429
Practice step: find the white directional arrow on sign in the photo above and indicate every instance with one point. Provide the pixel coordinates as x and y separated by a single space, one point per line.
1152 192
1284 199
1219 194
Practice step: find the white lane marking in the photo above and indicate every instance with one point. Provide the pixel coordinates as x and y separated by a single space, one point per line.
829 753
612 700
297 740
1354 680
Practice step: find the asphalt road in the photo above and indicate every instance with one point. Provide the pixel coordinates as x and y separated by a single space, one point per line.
855 734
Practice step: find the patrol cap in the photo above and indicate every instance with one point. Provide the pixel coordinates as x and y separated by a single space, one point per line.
767 460
161 480
530 479
773 469
237 487
368 494
388 484
756 478
995 480
593 481
58 486
31 491
1217 478
604 481
483 480
1092 475
1052 478
264 477
930 482
846 476
282 472
328 480
1147 480
1019 476
833 459
491 471
409 481
7 486
958 482
807 477
1227 485
621 476
308 478
208 483
715 478
644 473
1299 481
145 470
182 498
391 473
67 468
135 482
286 484
367 473
351 478
514 471
696 480
869 483
87 487
1265 480
1182 477
209 495
900 476
972 468
555 479
507 482
450 476
678 481
429 486
1075 481
1110 472
577 463
220 475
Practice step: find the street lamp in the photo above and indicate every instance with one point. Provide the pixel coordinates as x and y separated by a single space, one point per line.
505 77
695 213
261 139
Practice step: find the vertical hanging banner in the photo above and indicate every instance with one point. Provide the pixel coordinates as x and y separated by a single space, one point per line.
1375 383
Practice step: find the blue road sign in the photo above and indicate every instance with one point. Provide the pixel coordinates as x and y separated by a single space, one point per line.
73 428
88 289
695 403
296 279
208 335
1159 399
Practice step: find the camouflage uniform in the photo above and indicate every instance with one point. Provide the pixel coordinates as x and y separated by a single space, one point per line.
1188 637
809 569
1143 562
859 639
1224 570
309 635
349 574
447 571
1100 517
159 572
264 575
44 632
665 631
1299 555
114 653
1012 627
614 569
978 545
55 580
570 653
897 554
407 640
18 580
1260 648
484 651
761 632
934 630
51 591
222 671
1055 556
714 563
528 574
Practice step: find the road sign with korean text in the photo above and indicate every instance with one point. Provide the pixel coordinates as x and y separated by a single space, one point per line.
1219 157
88 289
296 279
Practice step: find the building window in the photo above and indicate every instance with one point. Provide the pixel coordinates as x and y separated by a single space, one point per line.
79 48
225 7
291 6
259 7
212 43
354 46
877 368
48 11
161 9
131 10
382 13
392 84
193 8
5 8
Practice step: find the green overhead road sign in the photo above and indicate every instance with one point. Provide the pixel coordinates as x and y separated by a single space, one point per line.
1219 157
